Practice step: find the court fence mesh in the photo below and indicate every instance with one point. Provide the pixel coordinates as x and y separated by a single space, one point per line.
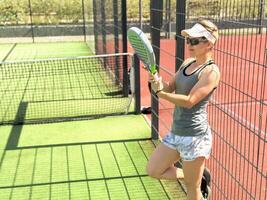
43 21
63 89
238 109
98 23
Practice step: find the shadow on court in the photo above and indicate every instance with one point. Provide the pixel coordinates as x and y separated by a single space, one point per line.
35 165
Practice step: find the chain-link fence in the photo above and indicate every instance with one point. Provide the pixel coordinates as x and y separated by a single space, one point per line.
238 109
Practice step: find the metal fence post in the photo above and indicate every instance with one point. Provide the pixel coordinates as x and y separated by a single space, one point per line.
156 17
116 26
116 39
140 14
261 14
30 9
167 21
124 45
136 65
95 26
180 25
103 27
84 28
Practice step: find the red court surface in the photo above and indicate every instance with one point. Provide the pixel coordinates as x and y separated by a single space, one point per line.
238 120
237 114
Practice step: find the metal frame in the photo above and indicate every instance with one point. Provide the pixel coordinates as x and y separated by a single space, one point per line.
156 22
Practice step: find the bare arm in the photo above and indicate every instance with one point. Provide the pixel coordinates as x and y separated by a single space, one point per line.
207 82
167 86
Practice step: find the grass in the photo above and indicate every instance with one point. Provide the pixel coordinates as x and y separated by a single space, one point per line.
103 158
40 168
4 50
85 131
57 89
64 91
30 51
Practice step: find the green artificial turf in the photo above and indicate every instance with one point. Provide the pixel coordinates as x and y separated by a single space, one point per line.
110 170
99 159
59 89
102 129
31 51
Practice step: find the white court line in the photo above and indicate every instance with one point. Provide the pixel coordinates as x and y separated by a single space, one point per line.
240 118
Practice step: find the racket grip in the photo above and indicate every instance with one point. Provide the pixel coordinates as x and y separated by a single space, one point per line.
156 76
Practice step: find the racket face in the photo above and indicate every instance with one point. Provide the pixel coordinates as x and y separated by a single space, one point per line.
142 48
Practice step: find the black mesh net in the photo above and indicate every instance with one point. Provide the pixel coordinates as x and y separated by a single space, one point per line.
62 89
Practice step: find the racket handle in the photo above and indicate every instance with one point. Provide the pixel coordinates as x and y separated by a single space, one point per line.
154 72
156 76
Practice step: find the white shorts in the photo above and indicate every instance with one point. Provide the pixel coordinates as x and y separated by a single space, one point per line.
190 147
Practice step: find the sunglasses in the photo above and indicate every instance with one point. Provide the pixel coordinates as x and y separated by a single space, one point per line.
195 41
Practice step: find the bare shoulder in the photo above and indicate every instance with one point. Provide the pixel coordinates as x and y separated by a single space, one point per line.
212 71
210 68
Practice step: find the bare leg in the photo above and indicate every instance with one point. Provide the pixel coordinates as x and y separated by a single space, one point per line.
193 171
161 163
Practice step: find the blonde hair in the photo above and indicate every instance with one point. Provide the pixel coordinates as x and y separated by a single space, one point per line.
211 27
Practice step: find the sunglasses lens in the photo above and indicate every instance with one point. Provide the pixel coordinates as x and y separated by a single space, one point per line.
192 41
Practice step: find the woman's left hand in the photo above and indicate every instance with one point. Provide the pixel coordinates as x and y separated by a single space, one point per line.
157 85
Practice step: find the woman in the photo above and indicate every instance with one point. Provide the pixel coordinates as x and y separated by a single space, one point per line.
190 137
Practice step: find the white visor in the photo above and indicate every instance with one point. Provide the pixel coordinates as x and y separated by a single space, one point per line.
199 31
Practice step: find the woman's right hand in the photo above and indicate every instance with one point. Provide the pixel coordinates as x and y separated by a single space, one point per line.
150 78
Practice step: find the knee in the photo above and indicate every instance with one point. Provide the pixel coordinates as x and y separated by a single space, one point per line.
152 171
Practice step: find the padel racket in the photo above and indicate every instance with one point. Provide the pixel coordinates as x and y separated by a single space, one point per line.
143 49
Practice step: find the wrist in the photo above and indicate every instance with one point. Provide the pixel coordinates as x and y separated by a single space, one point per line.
159 92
